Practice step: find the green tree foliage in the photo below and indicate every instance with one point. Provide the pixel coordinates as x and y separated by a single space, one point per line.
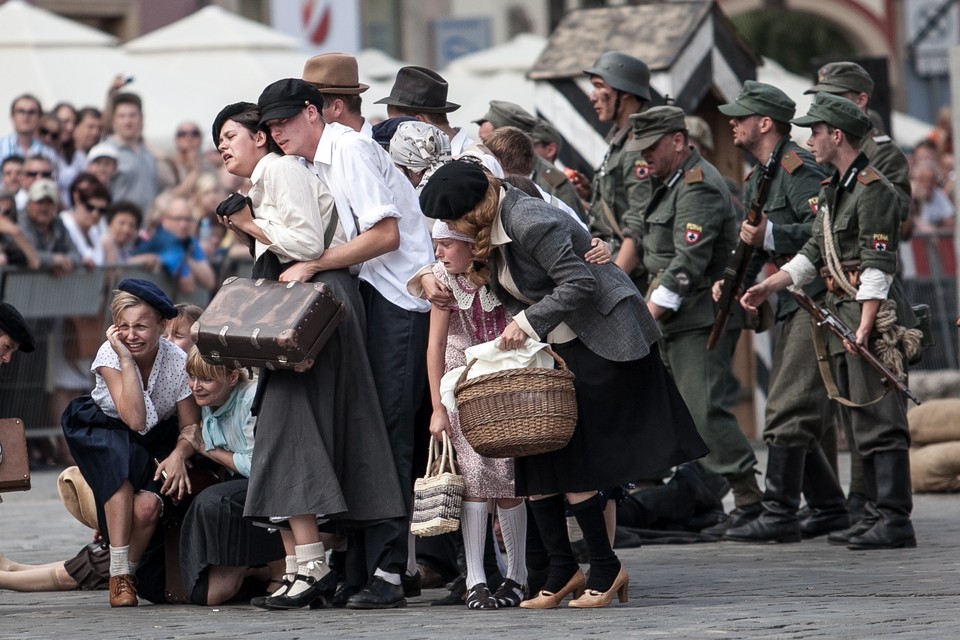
792 38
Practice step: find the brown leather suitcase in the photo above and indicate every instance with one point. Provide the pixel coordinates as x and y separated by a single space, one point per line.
14 458
266 323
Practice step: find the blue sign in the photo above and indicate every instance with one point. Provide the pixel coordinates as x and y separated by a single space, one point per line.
455 37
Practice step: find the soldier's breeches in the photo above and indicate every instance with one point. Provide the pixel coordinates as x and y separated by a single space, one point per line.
700 376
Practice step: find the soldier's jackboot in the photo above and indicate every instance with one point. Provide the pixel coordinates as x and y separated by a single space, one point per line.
870 513
826 507
894 502
748 500
778 522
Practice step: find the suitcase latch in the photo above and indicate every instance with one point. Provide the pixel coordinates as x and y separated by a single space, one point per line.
253 338
215 356
223 334
282 359
291 284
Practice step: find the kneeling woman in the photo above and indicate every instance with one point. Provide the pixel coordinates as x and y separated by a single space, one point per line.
125 434
322 448
632 421
218 548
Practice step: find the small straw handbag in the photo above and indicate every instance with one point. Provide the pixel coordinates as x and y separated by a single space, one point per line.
518 412
438 496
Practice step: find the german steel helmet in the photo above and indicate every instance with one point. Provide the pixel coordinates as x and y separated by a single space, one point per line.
623 73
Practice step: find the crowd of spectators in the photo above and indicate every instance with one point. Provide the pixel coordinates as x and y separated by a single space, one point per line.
932 179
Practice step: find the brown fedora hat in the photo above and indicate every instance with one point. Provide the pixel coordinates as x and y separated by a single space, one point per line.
334 73
77 497
421 89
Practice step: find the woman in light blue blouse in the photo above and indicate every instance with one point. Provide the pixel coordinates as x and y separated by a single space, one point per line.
220 552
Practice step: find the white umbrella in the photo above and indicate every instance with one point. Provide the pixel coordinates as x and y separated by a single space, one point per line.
212 57
53 58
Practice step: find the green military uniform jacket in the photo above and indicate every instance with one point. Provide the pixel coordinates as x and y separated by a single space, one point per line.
791 206
552 180
887 158
865 224
623 183
688 231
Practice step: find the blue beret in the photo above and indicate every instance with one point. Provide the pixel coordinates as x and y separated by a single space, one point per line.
151 294
13 324
453 190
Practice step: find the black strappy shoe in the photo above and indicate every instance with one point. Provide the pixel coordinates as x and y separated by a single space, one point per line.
510 593
479 597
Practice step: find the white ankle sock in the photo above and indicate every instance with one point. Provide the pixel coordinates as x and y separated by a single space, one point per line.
513 526
392 578
311 561
119 560
473 526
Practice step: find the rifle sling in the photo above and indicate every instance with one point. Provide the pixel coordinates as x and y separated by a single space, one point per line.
611 219
823 362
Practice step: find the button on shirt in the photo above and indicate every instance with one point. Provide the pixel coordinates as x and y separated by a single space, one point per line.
367 184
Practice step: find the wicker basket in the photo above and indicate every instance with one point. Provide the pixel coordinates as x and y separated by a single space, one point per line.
517 412
438 495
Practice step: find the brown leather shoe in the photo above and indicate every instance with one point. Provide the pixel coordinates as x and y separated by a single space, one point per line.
123 592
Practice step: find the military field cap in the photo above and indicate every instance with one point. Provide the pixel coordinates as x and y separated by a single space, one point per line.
757 98
699 130
453 190
508 114
43 189
286 98
840 77
13 324
545 133
421 89
151 294
652 124
334 73
837 112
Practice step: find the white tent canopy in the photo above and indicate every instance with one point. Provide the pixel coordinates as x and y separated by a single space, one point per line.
190 69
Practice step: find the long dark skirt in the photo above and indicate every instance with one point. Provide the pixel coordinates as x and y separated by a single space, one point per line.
214 532
632 423
321 445
108 452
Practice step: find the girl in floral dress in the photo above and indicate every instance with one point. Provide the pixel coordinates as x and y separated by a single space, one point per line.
474 317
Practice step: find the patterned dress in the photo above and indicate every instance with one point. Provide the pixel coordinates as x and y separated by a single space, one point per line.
476 316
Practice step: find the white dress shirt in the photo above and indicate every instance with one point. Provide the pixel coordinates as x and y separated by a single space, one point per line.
367 188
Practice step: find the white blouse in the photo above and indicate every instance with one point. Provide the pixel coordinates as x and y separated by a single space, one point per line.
166 387
292 207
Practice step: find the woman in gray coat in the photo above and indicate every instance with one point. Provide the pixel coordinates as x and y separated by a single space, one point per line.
632 421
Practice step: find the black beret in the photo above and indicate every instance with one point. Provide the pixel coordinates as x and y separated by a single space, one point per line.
225 114
453 190
383 131
13 324
151 294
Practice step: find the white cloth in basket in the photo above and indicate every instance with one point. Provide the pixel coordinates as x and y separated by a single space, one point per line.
491 359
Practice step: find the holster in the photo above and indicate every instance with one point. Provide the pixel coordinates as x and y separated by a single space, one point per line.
850 268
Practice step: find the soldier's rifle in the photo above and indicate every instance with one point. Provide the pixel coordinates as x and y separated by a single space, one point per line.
736 271
826 318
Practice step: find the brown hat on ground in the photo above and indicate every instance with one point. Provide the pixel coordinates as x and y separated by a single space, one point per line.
77 497
334 73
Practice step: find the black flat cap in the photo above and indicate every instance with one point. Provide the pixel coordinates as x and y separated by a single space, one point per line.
150 294
13 324
453 190
286 98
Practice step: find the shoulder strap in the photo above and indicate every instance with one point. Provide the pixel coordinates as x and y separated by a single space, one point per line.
611 220
823 362
331 228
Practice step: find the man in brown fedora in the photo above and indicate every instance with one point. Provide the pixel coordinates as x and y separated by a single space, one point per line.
337 77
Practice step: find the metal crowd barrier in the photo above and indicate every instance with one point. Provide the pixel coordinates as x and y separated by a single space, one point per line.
68 316
929 271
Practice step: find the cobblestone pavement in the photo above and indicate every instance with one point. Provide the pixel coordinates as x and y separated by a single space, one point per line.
725 590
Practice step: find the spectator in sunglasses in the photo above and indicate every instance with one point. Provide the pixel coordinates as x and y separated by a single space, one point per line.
85 221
